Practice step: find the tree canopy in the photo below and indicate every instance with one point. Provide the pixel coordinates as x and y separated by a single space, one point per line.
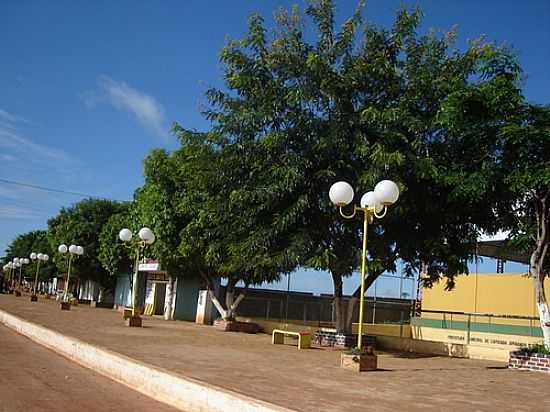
357 103
23 245
81 224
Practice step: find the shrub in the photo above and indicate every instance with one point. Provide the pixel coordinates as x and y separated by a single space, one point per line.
538 348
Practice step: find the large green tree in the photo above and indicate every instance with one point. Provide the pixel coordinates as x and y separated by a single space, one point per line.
81 224
113 255
190 203
523 164
359 103
23 245
156 206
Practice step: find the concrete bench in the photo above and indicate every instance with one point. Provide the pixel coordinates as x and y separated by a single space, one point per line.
304 338
127 313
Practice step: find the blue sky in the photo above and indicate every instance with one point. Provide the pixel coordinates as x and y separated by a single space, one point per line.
87 89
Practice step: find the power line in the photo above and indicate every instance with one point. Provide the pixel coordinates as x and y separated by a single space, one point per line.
47 189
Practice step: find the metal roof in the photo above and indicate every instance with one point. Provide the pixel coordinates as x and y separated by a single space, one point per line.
503 250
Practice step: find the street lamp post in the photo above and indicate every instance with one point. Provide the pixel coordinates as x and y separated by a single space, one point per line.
39 257
145 238
7 270
10 266
22 262
372 204
17 284
74 251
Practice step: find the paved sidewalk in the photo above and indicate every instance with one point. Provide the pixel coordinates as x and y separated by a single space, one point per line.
308 380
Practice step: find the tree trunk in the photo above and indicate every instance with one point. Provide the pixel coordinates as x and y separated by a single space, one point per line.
542 305
168 298
354 299
231 303
340 305
538 261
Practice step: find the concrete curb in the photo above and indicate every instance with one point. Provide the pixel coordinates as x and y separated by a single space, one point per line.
179 392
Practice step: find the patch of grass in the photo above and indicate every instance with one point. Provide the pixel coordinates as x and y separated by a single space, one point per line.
367 350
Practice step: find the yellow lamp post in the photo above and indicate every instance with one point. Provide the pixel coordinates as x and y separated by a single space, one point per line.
39 257
372 204
22 262
138 243
15 285
11 268
74 251
7 270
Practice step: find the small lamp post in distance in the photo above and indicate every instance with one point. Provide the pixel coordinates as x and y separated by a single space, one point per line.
15 263
74 251
39 257
22 262
138 244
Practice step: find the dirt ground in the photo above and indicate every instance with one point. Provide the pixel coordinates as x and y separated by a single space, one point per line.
33 378
307 380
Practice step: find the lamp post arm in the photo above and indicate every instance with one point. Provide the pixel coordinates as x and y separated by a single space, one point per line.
348 216
380 216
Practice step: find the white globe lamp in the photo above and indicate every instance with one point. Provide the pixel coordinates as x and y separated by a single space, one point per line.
369 199
386 192
341 193
125 235
146 235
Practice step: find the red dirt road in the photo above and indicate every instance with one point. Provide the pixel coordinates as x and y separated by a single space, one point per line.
33 379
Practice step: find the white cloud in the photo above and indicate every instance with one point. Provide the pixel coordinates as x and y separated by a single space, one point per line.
7 117
22 151
145 108
11 118
16 212
11 139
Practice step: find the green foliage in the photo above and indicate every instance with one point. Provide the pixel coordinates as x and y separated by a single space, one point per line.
23 245
538 348
156 206
524 167
359 103
81 224
113 255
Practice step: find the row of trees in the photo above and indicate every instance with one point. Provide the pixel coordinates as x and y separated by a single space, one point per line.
308 103
79 224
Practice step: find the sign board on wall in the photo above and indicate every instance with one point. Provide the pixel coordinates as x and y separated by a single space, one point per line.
149 267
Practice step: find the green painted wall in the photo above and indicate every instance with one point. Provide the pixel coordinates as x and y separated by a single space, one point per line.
501 328
187 294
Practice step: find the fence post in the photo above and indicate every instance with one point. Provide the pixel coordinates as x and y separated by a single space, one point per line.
468 332
401 325
267 309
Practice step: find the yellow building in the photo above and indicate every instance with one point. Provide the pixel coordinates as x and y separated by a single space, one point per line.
495 309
